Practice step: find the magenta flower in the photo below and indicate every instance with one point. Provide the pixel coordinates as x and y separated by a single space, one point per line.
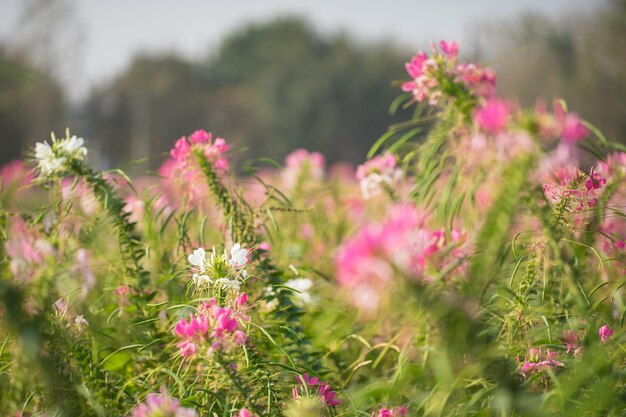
493 117
573 129
538 361
393 412
594 181
450 49
368 262
605 332
182 169
323 390
572 341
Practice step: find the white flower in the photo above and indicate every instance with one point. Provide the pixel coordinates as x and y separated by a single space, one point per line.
201 280
228 284
302 285
198 259
52 159
47 162
374 183
80 321
238 256
73 147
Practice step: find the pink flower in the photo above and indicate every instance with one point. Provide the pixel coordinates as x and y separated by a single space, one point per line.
329 396
244 412
161 405
301 165
415 67
378 173
493 117
241 300
122 290
323 390
187 348
450 49
538 361
135 207
605 332
368 262
15 173
394 412
199 136
572 341
195 328
594 181
481 81
181 150
182 169
224 322
573 129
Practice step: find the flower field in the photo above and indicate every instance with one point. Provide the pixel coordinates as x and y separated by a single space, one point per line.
472 266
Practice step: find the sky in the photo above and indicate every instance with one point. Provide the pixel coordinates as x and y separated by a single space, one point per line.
114 30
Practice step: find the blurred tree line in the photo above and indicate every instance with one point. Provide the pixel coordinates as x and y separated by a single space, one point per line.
270 87
280 85
579 57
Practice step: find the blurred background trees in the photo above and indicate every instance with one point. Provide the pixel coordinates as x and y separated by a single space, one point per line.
279 85
272 87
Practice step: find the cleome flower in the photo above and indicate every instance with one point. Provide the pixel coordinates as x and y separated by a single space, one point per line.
161 405
377 174
57 157
224 271
182 170
309 386
537 361
432 76
391 412
215 326
605 333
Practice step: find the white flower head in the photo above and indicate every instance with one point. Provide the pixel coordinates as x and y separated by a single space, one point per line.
238 256
201 280
228 284
80 321
198 259
302 285
53 159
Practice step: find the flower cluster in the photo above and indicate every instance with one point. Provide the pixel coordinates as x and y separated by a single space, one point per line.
214 324
56 158
493 116
162 405
183 168
391 412
559 124
537 361
573 342
605 332
26 248
432 75
220 270
15 174
566 187
244 412
369 260
378 174
313 385
302 164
